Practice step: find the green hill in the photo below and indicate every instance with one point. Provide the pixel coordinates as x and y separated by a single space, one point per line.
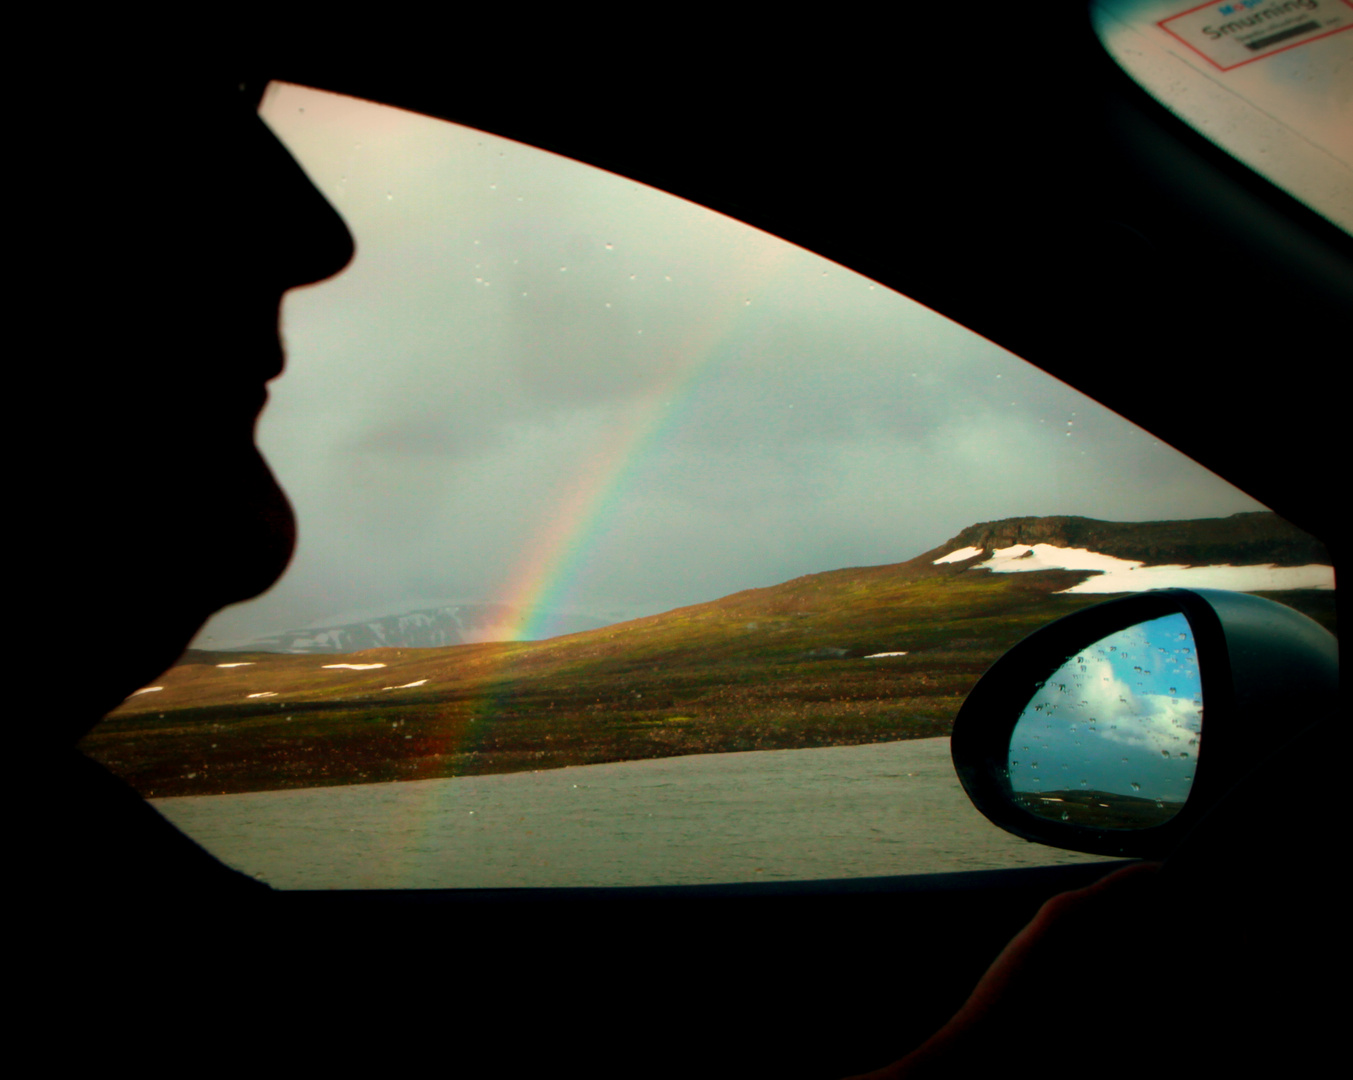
792 665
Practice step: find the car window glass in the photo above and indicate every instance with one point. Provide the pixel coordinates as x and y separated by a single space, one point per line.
637 546
1269 81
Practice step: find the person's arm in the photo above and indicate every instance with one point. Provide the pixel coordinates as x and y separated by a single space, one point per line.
1030 974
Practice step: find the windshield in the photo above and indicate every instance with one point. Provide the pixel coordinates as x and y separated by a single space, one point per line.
1269 81
638 546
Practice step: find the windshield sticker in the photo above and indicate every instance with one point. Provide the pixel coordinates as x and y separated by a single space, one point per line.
1235 32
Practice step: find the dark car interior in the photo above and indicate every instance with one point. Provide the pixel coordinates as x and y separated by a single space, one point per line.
1004 171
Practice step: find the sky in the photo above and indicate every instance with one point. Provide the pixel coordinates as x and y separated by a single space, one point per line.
543 385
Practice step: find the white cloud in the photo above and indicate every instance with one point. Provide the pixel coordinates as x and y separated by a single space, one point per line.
1154 722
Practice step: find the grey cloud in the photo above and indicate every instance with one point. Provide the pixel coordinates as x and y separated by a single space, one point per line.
783 416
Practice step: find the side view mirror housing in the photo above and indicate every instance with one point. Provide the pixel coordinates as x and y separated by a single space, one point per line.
1115 729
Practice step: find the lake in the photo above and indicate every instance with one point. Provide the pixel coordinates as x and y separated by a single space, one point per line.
836 812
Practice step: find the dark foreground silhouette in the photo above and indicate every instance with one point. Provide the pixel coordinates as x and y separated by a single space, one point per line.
170 224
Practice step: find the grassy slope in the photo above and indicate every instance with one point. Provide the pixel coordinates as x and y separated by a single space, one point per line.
762 669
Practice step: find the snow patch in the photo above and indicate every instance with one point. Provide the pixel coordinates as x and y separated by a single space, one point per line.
239 663
146 690
405 686
263 693
958 556
876 655
355 667
1114 575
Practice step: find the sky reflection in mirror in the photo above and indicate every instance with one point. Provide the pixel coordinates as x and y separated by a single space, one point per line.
1111 738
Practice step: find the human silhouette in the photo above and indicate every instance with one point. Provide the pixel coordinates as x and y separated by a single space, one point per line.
191 221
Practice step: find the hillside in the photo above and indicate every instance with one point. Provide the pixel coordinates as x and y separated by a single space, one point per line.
791 665
1240 539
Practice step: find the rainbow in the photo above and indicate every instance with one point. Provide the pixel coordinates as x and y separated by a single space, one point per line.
556 560
560 554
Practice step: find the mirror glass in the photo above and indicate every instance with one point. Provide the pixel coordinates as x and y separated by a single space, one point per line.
1110 739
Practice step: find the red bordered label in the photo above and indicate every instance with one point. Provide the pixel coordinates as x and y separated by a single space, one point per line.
1229 33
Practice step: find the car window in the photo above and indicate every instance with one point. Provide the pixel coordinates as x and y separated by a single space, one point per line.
638 546
1269 81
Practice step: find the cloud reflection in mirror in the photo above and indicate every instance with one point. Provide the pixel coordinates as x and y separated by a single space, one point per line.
1111 738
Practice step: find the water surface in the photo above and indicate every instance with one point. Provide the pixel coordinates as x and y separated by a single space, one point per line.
852 811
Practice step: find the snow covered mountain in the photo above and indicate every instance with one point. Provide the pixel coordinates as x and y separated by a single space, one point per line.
1251 552
452 624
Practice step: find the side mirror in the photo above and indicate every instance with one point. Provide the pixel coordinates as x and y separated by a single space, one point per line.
1115 729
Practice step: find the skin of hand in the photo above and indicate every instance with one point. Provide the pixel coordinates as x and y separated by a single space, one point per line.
1096 923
